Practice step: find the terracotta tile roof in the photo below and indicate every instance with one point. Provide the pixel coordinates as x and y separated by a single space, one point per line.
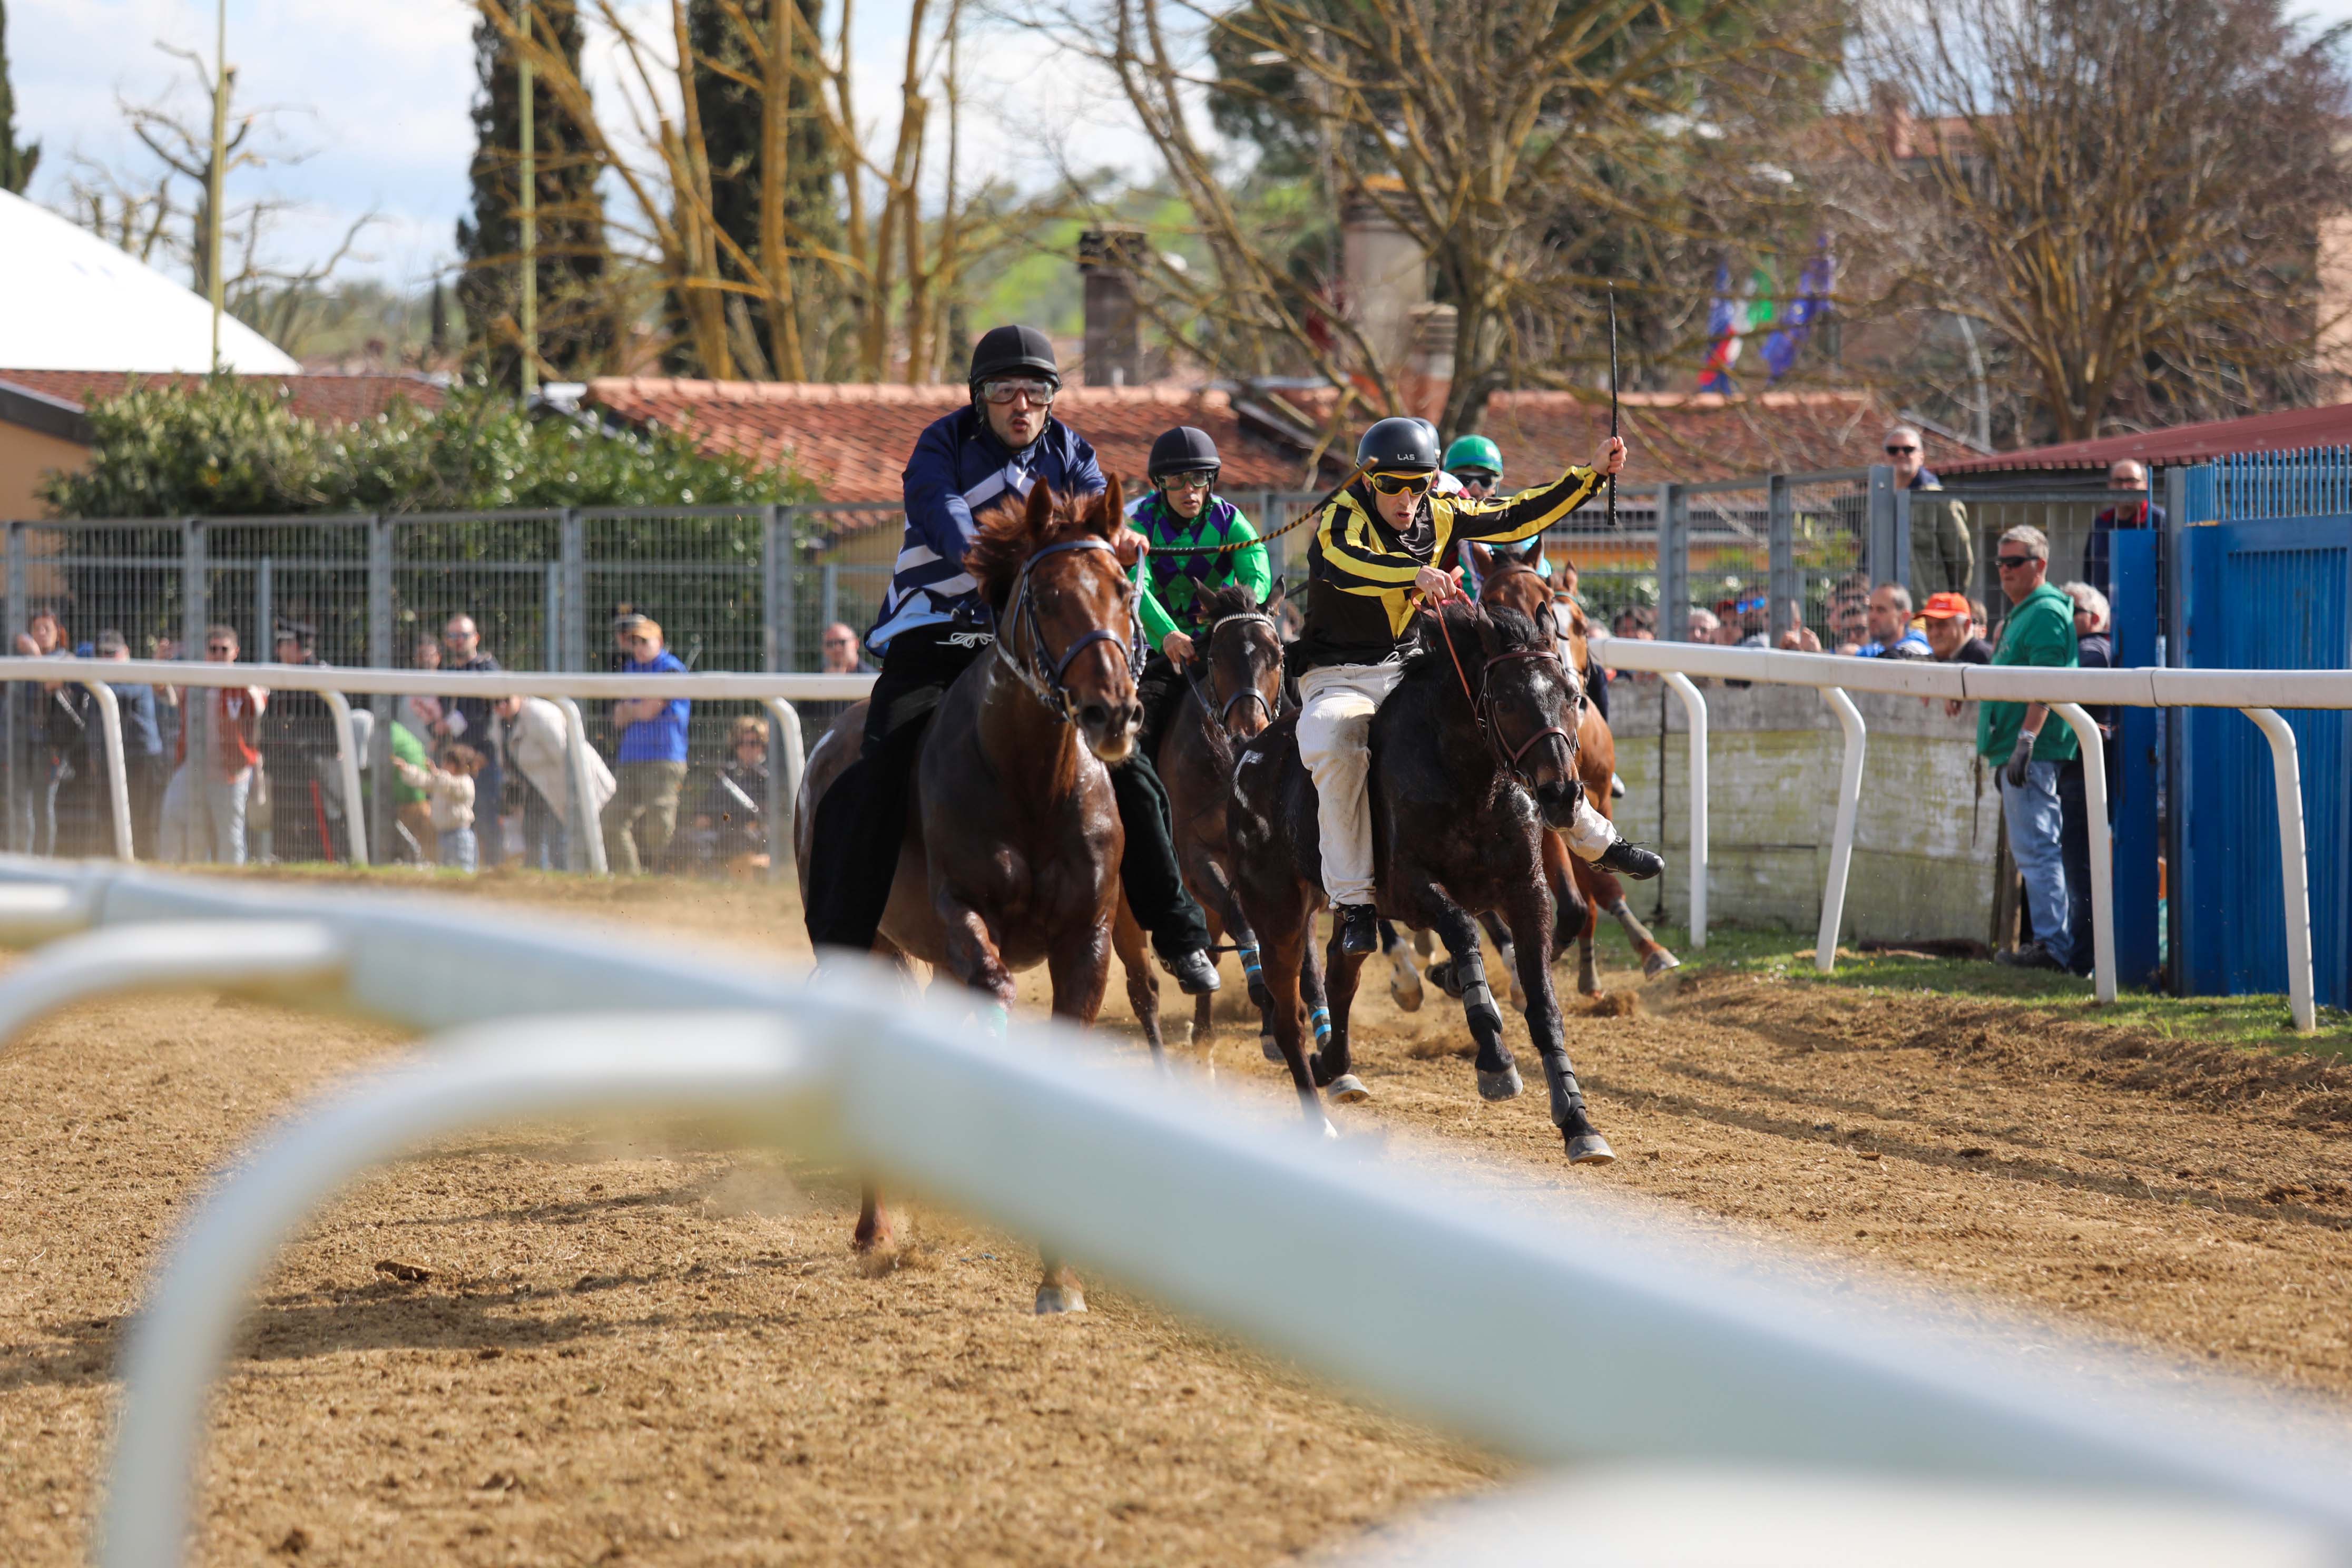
328 399
851 440
2285 431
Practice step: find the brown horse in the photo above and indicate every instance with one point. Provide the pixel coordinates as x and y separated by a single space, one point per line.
1510 579
1234 691
1011 856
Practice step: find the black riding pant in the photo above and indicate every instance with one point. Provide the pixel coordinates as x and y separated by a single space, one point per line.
862 820
1161 689
1596 691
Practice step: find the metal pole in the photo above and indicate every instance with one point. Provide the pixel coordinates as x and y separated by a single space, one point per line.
2103 848
1673 563
1694 711
1780 543
1842 839
530 216
572 545
784 768
216 282
385 707
2295 875
118 779
782 525
265 608
1878 526
347 763
194 589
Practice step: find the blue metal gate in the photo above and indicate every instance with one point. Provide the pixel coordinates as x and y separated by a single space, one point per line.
2269 595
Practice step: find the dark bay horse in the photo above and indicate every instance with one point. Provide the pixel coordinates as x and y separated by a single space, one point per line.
1510 578
1234 691
1473 755
1010 857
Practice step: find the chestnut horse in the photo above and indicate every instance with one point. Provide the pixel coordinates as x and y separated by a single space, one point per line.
1011 856
1473 756
1510 578
1234 691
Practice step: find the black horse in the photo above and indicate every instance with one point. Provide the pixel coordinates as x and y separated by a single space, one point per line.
1473 755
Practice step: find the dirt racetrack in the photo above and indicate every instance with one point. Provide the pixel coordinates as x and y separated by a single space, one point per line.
649 1346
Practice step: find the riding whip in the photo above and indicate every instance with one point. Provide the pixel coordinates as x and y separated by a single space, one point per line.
1613 398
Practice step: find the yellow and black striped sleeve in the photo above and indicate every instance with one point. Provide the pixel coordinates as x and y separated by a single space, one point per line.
1354 556
1500 520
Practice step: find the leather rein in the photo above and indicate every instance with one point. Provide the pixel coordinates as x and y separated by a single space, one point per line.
1038 669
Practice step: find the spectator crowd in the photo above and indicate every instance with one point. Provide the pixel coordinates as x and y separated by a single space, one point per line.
241 773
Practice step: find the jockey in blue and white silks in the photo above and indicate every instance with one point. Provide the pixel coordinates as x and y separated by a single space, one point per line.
933 626
960 467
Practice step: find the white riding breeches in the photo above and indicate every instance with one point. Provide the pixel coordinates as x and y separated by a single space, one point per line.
1335 732
1335 729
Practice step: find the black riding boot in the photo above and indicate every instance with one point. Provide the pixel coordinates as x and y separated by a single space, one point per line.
1147 870
861 820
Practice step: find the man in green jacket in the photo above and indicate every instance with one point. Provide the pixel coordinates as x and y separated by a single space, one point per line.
1183 511
2029 745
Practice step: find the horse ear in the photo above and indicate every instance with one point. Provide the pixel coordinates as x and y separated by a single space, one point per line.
1115 501
1273 596
1037 512
1490 636
1482 558
1533 555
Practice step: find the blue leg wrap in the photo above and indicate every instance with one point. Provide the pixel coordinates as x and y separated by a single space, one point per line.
1321 1018
1251 968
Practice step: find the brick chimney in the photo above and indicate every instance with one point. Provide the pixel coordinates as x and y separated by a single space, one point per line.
1107 259
1387 276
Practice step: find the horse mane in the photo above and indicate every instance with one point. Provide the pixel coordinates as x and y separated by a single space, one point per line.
1227 599
1463 621
1005 540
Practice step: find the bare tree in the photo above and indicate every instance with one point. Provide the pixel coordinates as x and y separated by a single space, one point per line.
1532 149
896 263
2125 198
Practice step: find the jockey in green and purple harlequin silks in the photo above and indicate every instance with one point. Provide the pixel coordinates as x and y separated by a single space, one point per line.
1183 511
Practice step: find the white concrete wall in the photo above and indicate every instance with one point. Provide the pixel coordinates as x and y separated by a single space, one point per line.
1924 843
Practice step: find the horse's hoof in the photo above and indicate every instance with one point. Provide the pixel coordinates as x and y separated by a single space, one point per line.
1330 1133
1273 1051
1192 1036
1405 989
1503 1085
1658 963
1053 1299
1347 1089
1589 1149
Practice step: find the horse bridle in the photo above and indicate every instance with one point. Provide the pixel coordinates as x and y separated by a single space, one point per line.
1482 707
1039 671
1205 686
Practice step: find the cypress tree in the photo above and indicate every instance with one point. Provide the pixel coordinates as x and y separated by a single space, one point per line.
734 135
577 329
16 163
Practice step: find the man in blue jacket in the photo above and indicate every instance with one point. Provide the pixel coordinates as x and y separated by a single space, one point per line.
932 628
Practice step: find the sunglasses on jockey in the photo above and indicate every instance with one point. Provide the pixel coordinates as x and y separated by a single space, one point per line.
1003 390
1415 483
1477 476
1191 479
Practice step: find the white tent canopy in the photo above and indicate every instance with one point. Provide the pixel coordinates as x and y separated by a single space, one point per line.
69 301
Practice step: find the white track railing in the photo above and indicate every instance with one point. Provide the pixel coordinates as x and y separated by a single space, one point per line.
2256 693
1418 1290
775 692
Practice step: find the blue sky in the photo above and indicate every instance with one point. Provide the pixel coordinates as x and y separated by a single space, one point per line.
379 90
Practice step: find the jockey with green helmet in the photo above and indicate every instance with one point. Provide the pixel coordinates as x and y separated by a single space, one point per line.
1376 545
1182 512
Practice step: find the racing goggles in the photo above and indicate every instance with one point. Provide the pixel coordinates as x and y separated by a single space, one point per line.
1189 479
1478 477
1003 390
1412 484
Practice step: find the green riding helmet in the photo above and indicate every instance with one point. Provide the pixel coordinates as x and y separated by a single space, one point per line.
1473 453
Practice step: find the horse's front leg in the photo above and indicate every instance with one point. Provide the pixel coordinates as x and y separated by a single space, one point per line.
1530 918
1507 950
1142 984
1333 1059
1498 1074
971 952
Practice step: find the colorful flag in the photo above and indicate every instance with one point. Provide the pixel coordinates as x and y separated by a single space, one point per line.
1729 320
1814 286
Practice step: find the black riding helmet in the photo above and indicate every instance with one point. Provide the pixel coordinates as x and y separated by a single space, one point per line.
1013 350
1400 443
1182 450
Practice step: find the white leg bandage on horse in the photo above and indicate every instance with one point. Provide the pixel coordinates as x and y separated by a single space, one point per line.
1591 834
1335 728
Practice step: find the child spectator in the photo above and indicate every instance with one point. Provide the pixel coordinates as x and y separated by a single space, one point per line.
450 789
734 812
